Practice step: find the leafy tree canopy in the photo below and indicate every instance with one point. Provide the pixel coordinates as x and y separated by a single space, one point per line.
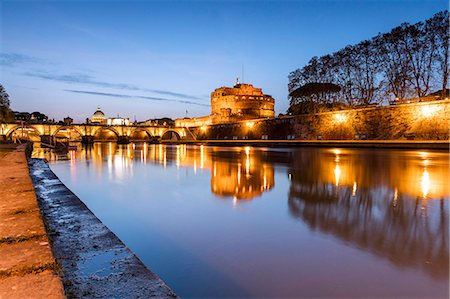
4 97
315 88
5 112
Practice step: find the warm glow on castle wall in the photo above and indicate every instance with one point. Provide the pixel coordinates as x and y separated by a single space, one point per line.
234 104
340 117
430 110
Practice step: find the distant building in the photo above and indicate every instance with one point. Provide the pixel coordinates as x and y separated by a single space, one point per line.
33 118
231 104
21 116
165 121
118 121
98 117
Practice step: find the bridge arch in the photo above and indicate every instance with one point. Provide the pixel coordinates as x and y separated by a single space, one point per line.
71 128
171 134
11 129
105 134
26 132
134 134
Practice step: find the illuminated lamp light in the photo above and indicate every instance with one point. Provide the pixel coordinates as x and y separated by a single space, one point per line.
204 128
340 118
336 151
428 111
250 124
425 183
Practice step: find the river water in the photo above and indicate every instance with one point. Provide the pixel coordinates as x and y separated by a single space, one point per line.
265 222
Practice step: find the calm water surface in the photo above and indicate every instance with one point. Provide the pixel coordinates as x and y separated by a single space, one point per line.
260 222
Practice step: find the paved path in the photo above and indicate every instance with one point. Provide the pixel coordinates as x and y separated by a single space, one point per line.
27 265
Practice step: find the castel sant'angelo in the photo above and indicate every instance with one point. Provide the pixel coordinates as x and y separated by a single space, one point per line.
233 104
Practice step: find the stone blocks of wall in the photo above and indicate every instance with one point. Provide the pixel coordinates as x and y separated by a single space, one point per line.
419 121
275 128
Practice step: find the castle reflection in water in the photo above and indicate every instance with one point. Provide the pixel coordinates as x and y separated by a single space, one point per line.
240 174
394 204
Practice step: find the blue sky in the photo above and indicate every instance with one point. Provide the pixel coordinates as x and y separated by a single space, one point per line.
148 59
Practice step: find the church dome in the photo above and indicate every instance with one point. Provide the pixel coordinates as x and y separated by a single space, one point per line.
99 113
98 116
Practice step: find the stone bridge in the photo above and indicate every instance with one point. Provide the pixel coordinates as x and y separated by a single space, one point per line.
89 133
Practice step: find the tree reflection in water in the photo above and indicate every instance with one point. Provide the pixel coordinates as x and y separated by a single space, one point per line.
393 205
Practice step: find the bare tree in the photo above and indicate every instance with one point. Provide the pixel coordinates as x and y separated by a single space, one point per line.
438 28
365 73
394 68
409 61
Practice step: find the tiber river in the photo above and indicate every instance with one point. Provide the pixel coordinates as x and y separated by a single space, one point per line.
265 222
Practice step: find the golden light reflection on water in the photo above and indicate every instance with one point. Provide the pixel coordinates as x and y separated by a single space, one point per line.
230 181
354 189
425 183
337 174
419 176
393 204
247 169
247 177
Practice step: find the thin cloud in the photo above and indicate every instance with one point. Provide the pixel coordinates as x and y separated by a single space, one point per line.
78 78
126 96
175 94
13 59
87 79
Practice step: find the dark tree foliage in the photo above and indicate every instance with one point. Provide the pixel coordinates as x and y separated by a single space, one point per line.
4 97
5 111
314 97
310 89
409 61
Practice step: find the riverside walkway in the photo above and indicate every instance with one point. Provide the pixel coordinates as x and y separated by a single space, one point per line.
27 266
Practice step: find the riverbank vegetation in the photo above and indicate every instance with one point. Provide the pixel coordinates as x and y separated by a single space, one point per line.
5 112
410 61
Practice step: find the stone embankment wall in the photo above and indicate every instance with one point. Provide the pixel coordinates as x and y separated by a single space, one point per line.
424 121
419 121
93 260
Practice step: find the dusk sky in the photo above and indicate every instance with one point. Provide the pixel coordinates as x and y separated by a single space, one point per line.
149 59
